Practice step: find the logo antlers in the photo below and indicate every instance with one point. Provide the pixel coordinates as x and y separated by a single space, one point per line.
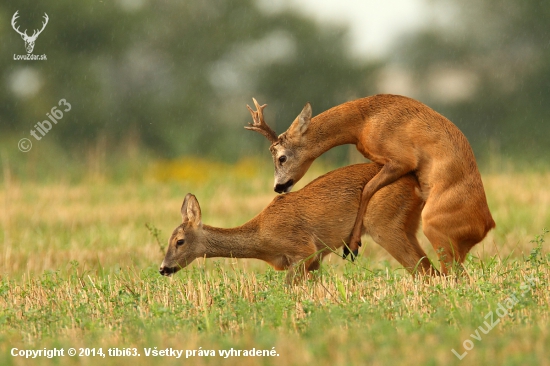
29 41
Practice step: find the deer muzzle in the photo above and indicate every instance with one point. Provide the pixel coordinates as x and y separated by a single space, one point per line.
167 271
285 187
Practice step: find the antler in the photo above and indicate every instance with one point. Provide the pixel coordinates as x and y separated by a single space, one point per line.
259 124
35 34
13 19
24 34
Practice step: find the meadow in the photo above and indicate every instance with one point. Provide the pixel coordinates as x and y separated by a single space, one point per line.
79 269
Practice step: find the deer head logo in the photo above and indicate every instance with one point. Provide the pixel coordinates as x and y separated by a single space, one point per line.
29 41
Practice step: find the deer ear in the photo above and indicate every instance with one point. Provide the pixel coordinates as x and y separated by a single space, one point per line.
194 211
301 123
184 218
304 118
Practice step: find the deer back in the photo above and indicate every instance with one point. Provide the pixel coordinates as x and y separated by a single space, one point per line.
325 209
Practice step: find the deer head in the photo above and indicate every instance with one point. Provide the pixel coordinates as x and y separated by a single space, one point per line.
29 40
291 157
186 242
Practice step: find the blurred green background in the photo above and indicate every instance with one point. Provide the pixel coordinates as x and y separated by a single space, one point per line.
151 80
158 92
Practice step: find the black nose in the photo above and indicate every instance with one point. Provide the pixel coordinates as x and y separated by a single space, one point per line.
166 271
280 188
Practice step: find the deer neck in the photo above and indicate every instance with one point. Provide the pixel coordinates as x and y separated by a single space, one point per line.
332 128
239 242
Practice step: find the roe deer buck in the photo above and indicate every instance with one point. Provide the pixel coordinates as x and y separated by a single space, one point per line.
404 136
297 230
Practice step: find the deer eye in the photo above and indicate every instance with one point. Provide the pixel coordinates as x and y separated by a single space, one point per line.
180 242
282 159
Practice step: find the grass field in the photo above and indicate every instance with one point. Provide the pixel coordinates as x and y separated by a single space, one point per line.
78 269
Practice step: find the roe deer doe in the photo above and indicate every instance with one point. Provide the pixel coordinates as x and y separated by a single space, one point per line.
297 230
404 136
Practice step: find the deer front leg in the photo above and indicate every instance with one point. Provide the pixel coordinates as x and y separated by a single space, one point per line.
296 274
389 173
303 262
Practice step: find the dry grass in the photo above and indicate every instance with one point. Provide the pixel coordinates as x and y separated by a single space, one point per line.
235 307
78 269
44 227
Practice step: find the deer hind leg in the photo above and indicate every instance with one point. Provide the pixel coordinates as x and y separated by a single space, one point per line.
392 220
445 247
423 265
389 173
407 252
451 235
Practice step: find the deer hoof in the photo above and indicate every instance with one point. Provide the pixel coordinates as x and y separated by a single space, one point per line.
354 253
345 253
353 248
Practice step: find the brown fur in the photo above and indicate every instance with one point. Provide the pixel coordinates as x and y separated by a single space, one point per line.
404 136
297 228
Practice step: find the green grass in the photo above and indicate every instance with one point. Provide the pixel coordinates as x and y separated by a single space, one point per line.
355 316
78 268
